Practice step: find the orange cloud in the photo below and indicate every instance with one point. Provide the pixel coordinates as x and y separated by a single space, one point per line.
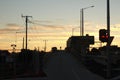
10 28
56 35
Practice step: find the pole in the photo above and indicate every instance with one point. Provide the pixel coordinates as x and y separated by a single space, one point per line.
108 45
23 43
26 31
108 18
72 31
26 17
82 21
45 45
82 28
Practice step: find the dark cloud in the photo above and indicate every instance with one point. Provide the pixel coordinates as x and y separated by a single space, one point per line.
48 35
11 27
53 26
42 21
12 24
47 27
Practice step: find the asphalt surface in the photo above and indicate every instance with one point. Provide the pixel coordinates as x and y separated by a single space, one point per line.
64 66
38 78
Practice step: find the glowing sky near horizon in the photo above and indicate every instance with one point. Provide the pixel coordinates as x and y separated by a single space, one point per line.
53 21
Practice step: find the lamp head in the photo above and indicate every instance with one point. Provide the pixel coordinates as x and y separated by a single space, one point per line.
92 6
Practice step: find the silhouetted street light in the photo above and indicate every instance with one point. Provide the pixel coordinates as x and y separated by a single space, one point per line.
82 20
73 30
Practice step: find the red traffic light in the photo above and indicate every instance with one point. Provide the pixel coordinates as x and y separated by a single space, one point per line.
103 36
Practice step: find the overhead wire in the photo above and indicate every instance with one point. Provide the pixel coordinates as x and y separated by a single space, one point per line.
33 30
51 40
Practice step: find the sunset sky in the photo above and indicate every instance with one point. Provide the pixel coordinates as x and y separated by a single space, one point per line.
53 21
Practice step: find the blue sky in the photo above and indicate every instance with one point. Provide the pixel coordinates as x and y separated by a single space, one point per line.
65 13
66 10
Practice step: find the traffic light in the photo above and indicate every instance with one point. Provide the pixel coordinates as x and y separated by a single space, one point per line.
103 35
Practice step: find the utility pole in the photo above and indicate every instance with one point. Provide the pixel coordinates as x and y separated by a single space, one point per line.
45 45
26 17
23 43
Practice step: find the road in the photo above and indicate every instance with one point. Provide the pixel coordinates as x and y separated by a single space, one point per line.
64 66
38 78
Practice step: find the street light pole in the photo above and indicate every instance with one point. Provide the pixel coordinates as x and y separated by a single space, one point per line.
73 30
82 28
82 20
